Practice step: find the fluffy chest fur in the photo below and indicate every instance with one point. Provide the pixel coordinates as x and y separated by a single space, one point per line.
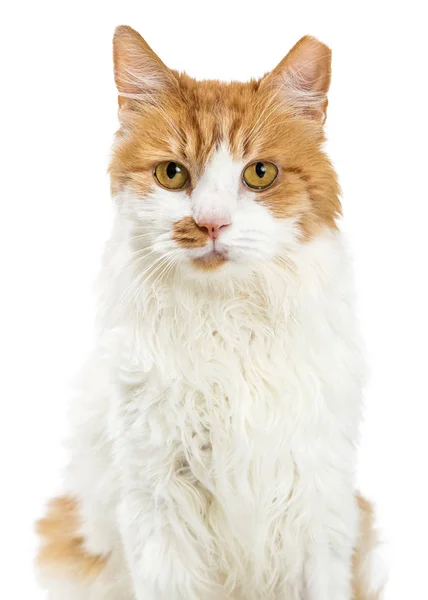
246 398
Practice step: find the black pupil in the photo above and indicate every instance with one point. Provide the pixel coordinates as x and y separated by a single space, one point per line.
260 170
172 170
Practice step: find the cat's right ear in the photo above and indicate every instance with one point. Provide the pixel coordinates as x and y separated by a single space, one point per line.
139 73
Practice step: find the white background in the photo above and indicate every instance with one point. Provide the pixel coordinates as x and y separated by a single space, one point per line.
58 116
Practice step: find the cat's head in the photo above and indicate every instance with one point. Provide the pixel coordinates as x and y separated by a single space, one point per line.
221 178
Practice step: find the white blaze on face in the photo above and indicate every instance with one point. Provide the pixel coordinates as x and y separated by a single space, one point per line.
220 197
253 235
215 196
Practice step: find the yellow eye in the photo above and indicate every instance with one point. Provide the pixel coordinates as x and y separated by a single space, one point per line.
171 175
260 175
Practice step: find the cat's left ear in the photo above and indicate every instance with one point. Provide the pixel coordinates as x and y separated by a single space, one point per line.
302 79
139 73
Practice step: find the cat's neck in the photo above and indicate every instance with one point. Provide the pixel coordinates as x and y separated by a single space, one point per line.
261 304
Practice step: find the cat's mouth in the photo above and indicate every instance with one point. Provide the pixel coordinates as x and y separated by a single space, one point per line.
213 259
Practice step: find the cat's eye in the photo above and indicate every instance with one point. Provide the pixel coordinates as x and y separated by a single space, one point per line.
260 175
171 175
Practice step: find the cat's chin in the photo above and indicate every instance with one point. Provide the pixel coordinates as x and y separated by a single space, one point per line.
211 261
216 269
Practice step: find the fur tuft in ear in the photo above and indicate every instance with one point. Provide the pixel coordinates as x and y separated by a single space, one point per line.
139 72
302 78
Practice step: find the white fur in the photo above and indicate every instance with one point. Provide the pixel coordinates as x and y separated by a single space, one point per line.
216 193
214 441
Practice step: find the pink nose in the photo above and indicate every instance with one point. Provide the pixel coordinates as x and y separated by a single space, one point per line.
213 227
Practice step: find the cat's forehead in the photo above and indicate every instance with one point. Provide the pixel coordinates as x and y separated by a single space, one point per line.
208 94
192 126
205 115
218 114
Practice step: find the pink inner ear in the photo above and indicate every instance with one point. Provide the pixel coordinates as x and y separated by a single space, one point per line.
311 67
139 72
302 78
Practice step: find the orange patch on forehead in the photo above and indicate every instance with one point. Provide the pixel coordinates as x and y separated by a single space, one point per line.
188 128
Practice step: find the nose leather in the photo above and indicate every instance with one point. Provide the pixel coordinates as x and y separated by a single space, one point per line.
213 227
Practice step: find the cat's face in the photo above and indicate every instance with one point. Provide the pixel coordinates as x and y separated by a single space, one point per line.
221 178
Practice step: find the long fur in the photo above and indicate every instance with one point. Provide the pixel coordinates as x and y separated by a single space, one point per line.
214 446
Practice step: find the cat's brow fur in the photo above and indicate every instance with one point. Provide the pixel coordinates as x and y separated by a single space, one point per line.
200 115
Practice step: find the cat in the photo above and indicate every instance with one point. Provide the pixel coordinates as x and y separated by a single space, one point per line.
214 446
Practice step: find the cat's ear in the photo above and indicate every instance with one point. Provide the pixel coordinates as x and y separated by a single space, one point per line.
139 73
302 78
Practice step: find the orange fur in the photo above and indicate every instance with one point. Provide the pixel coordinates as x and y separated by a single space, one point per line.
209 263
188 119
368 540
187 234
63 548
